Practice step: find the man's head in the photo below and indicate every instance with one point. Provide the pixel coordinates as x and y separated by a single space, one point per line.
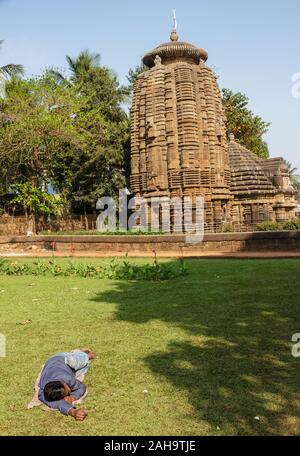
56 391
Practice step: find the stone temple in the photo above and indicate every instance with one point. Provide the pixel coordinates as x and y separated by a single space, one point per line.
179 145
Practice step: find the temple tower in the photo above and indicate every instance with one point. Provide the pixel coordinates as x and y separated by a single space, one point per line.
178 138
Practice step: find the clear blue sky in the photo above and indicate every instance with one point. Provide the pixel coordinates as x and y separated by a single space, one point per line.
254 45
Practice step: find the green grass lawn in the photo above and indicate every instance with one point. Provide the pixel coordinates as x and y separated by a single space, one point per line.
213 350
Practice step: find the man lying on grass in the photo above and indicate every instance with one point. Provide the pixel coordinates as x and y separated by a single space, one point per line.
59 385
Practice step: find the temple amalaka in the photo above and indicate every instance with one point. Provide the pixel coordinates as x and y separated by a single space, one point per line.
179 145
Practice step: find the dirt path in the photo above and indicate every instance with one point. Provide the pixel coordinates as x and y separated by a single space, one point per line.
194 254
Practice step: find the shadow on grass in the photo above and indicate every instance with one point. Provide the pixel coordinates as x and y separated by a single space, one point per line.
235 363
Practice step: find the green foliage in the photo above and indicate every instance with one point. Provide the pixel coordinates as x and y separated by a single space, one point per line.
105 126
72 134
292 225
37 132
227 228
247 127
268 226
114 270
35 201
10 69
296 183
133 74
291 169
102 166
292 172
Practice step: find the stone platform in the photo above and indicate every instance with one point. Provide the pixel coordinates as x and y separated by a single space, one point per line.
243 245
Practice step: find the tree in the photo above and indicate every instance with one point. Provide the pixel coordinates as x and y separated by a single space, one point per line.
97 82
37 133
79 66
70 134
11 69
133 74
35 201
291 169
247 127
8 71
101 169
292 172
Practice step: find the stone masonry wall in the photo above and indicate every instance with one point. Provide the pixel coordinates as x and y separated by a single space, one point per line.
16 226
148 245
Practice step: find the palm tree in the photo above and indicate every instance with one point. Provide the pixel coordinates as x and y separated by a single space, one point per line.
291 169
7 71
292 172
296 183
79 66
11 69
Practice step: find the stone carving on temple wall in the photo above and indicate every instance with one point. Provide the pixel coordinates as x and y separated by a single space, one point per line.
157 60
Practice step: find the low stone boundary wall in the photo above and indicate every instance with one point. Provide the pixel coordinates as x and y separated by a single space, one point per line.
18 226
284 241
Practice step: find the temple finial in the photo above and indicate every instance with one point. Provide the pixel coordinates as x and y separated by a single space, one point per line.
174 21
174 34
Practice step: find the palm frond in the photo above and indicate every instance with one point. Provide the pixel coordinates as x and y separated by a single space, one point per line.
96 58
12 70
92 58
59 77
71 63
290 168
83 63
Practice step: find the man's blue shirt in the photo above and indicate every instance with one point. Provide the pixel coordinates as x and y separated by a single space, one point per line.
55 370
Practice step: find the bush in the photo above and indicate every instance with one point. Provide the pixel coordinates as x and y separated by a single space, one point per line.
292 225
227 228
269 226
115 269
